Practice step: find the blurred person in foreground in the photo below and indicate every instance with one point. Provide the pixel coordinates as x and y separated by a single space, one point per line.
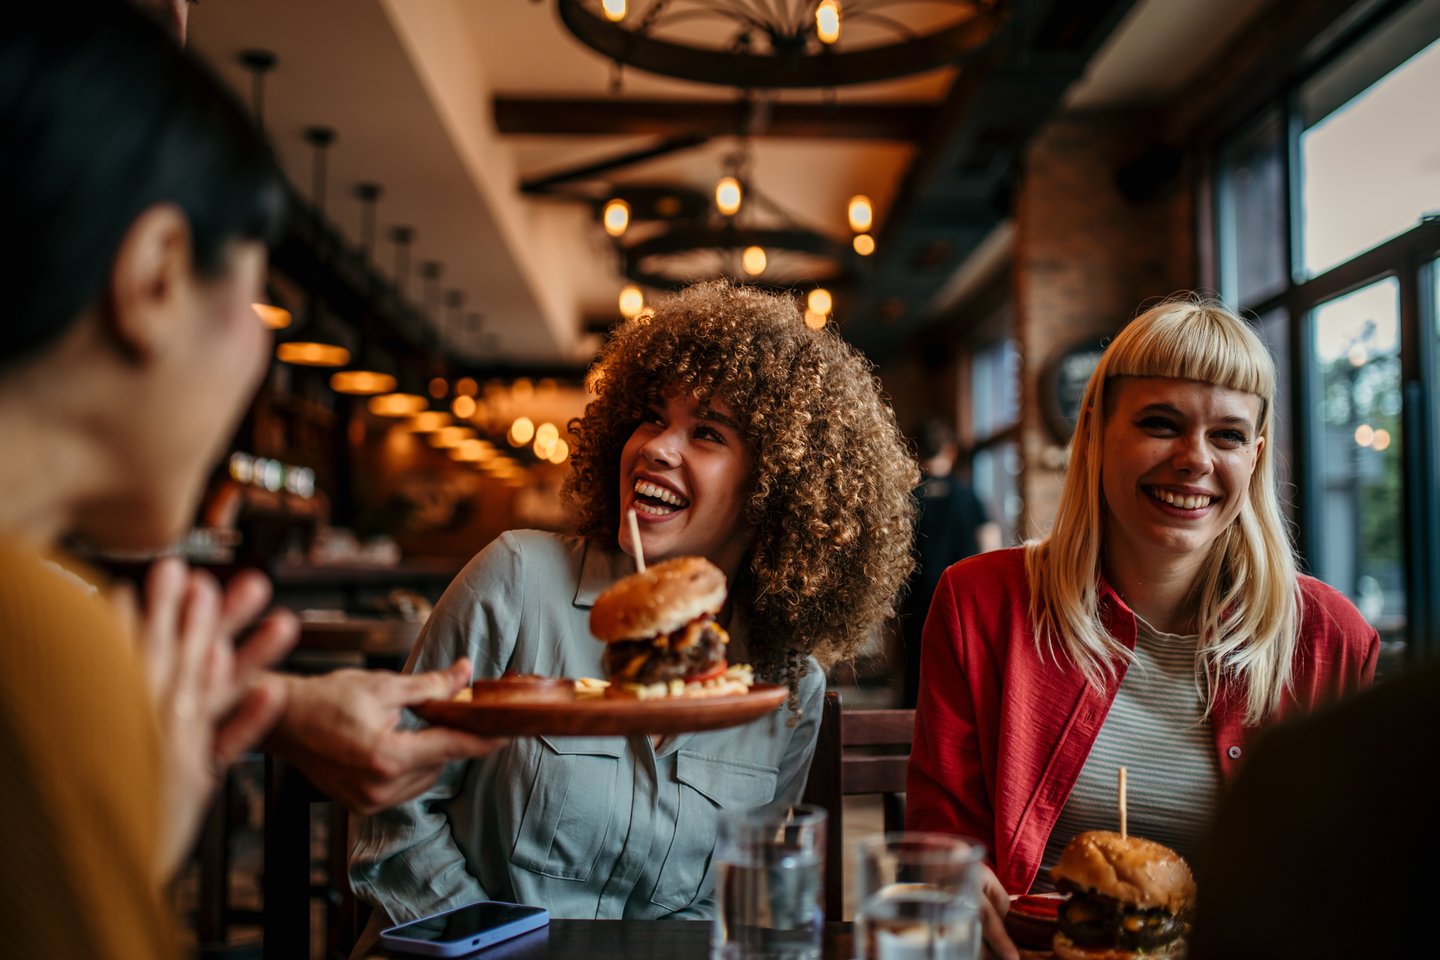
139 200
1159 624
737 434
1326 846
950 525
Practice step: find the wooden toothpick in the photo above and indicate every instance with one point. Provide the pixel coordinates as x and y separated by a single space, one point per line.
635 540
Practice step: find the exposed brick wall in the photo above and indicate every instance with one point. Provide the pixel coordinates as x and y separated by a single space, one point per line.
1085 258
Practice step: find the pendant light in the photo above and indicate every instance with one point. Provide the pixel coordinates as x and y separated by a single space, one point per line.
259 63
369 375
321 345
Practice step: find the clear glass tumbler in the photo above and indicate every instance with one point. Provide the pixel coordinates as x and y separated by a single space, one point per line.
918 897
769 883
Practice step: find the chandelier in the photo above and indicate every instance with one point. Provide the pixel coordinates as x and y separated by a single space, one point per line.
784 44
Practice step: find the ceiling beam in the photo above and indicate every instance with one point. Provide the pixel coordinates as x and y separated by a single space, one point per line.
608 117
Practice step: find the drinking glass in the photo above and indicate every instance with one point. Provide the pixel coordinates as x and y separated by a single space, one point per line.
918 897
769 884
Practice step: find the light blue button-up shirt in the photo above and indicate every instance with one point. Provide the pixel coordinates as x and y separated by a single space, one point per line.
602 827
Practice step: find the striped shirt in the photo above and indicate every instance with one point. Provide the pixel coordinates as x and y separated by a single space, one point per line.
1155 729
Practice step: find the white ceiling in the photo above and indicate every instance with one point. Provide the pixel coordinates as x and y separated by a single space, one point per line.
408 85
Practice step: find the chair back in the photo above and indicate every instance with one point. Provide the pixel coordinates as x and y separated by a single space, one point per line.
857 752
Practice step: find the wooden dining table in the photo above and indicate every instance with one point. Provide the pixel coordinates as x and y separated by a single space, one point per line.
628 940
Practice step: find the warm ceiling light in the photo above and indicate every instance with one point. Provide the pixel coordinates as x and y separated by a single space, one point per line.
1382 440
439 387
547 433
1364 435
819 301
467 387
428 421
309 354
276 318
615 216
815 321
396 404
864 244
521 431
463 407
862 215
543 447
559 451
728 196
614 10
448 437
827 21
361 383
753 260
472 451
632 301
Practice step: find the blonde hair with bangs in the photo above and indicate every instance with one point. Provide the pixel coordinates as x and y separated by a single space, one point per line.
1247 594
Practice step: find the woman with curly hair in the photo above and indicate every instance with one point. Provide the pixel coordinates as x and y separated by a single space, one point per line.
738 434
1157 626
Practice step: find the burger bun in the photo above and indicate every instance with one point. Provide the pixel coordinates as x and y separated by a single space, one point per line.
658 601
1065 949
1131 870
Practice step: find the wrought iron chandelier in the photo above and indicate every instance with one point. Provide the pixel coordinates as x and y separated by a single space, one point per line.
785 44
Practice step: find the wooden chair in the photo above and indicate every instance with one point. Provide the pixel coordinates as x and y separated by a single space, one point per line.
858 752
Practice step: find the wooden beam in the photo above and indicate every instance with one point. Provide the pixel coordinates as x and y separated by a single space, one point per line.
907 121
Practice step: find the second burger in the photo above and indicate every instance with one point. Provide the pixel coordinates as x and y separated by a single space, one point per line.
660 632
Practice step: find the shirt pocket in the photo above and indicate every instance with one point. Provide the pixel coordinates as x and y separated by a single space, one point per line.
707 786
567 813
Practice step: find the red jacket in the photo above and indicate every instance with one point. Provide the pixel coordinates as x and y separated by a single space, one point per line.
1001 732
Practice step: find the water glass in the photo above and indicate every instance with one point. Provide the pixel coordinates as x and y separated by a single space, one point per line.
918 897
769 883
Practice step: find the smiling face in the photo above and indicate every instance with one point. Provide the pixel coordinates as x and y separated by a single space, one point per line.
686 470
1176 461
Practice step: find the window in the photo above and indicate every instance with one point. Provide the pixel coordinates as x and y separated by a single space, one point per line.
995 405
1370 161
1356 353
1325 233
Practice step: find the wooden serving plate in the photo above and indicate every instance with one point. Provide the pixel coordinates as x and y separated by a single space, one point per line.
602 717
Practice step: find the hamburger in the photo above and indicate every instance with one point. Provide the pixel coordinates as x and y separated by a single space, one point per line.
1130 898
660 632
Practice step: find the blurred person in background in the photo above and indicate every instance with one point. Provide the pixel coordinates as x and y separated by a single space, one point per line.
950 525
139 201
1158 625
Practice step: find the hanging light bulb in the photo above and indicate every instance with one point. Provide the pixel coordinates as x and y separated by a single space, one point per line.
632 301
728 196
361 383
754 260
463 407
827 21
396 404
864 244
521 431
862 214
559 452
614 10
428 421
312 354
447 438
615 216
274 318
819 301
815 321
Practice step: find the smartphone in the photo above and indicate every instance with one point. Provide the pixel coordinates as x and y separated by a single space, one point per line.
458 932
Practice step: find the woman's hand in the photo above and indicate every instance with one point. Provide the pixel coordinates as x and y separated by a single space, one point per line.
994 904
212 701
342 730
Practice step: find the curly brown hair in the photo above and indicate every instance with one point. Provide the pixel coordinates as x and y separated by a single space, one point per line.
831 494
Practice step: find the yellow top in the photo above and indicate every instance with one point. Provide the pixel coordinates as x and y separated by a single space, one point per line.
80 793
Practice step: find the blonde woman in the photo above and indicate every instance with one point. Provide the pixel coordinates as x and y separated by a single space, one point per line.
1160 623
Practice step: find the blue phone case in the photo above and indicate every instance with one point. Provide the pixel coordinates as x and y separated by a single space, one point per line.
533 918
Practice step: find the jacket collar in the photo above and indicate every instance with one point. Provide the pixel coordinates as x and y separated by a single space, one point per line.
599 569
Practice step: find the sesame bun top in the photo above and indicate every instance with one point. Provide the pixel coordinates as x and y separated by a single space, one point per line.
663 599
1132 870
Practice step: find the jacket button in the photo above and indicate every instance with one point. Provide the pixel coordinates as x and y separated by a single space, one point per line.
1233 753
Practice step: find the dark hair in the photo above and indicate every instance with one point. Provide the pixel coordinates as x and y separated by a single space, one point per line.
931 437
103 116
